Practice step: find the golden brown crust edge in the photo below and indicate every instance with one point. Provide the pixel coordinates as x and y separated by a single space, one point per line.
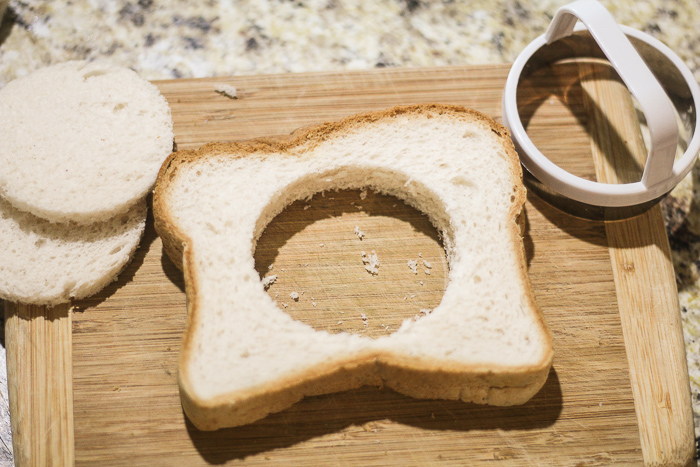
415 378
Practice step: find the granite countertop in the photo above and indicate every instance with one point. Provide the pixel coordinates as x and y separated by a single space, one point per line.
181 39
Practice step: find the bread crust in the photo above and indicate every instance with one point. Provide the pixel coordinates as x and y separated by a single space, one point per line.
417 377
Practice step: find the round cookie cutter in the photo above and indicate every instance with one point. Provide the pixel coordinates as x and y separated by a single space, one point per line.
663 86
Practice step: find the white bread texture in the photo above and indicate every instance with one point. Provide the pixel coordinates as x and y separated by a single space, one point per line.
45 263
81 141
243 357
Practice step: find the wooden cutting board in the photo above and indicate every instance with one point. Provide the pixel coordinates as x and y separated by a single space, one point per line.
618 390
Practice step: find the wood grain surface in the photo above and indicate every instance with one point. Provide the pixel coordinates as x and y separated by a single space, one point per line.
126 339
40 383
650 317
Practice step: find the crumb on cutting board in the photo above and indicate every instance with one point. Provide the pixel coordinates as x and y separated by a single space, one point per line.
371 262
268 281
360 234
227 90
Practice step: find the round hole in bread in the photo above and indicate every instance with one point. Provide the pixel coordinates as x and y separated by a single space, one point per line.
353 261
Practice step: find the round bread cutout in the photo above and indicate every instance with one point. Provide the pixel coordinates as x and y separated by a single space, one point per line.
81 141
43 263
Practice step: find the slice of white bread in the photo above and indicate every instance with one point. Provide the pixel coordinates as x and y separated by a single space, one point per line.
243 357
45 263
81 141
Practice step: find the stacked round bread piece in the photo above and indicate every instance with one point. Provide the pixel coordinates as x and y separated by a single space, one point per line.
80 147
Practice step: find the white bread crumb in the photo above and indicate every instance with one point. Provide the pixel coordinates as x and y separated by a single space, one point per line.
358 232
413 266
268 281
427 264
363 194
227 90
371 262
294 296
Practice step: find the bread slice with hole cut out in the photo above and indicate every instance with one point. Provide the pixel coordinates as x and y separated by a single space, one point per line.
243 357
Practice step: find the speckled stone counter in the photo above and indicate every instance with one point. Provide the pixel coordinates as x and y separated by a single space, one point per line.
181 39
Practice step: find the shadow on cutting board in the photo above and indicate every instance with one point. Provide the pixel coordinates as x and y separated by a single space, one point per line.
371 409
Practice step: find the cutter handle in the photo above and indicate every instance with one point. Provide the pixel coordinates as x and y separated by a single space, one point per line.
642 84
